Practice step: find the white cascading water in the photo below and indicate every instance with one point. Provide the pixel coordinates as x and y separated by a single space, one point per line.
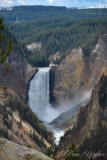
39 96
39 101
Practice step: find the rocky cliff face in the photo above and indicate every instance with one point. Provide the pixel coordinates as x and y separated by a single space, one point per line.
70 76
93 116
76 73
12 151
18 77
90 118
98 60
14 126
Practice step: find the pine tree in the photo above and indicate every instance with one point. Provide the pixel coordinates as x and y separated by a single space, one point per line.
5 50
6 133
73 154
33 135
20 123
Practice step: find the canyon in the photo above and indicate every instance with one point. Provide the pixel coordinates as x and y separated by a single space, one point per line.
73 78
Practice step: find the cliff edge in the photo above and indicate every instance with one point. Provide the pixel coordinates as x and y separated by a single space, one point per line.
12 151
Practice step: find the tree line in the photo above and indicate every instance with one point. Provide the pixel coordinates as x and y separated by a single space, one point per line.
59 35
28 13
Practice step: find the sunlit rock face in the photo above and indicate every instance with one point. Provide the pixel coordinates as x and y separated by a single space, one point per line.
77 73
71 77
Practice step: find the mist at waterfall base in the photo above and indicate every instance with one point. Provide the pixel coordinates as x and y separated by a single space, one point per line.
40 105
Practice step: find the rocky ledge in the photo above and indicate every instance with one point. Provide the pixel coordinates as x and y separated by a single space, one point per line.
12 151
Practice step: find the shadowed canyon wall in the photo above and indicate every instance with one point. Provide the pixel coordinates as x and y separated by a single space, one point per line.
18 77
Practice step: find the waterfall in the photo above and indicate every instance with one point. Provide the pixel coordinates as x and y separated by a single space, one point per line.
40 105
39 96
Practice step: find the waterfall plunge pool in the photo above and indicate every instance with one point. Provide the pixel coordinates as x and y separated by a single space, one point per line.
39 101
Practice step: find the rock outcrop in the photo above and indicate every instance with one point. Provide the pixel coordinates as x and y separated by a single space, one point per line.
18 77
12 151
34 46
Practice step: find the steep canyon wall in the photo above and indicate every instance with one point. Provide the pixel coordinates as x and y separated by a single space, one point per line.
77 73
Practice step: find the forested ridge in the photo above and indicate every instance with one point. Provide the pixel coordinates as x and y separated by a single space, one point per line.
25 13
59 35
58 29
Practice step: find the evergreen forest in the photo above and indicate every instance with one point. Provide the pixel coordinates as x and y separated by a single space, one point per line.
57 29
